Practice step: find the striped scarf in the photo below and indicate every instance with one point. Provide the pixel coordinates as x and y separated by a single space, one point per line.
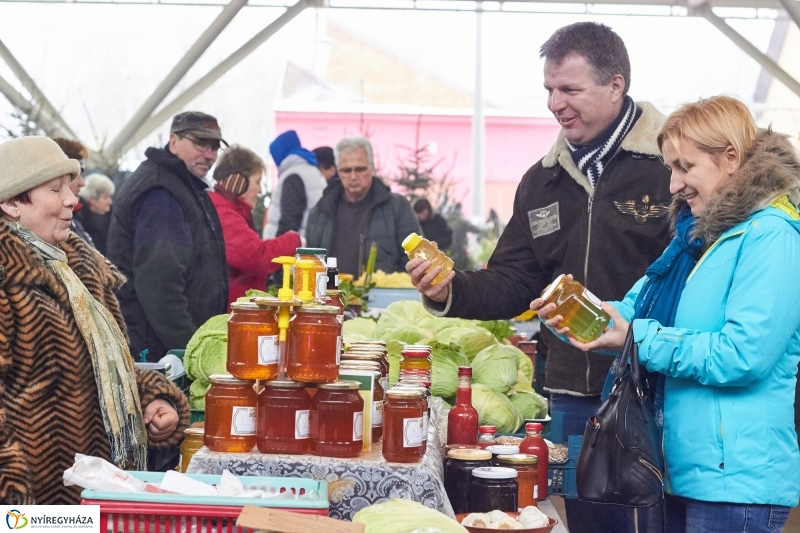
592 158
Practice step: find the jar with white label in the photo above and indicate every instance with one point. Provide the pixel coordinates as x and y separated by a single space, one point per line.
403 425
230 419
283 411
252 341
336 424
314 344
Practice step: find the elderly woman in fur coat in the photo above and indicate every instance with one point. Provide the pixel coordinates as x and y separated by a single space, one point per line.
717 321
67 380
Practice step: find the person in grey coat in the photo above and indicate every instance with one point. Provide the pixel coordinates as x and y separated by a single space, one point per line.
359 211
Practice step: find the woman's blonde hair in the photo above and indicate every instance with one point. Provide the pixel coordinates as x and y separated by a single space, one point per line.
712 124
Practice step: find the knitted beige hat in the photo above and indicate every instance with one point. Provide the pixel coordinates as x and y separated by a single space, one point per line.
27 162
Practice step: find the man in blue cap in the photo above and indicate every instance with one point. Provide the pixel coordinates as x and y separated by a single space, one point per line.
300 186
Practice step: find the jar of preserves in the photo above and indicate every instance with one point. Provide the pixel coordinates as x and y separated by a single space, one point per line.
377 394
318 282
527 467
501 449
283 411
493 489
458 474
252 341
581 311
416 357
424 405
192 441
336 424
230 420
334 298
403 426
486 436
314 344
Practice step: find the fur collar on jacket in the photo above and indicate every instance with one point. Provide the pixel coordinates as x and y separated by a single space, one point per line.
771 170
640 140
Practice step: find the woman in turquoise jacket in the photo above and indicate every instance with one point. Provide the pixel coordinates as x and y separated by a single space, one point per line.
718 316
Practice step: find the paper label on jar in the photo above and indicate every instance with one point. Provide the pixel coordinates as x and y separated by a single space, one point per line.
385 383
412 432
536 491
301 424
358 425
267 349
377 413
338 350
243 421
425 426
591 297
322 285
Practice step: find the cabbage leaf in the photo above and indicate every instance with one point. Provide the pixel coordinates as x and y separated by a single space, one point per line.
529 404
405 516
406 321
495 409
496 367
444 375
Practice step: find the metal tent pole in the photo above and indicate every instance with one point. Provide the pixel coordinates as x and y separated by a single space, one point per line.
478 122
21 103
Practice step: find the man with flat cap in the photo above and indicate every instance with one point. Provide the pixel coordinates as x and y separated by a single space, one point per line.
166 238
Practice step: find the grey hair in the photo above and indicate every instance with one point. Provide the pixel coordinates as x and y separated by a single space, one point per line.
351 144
95 186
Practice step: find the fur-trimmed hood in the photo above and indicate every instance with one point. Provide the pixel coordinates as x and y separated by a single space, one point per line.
770 170
640 140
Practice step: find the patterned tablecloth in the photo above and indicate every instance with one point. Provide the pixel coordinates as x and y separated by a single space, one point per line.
352 483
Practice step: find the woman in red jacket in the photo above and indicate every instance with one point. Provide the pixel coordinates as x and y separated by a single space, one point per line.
238 182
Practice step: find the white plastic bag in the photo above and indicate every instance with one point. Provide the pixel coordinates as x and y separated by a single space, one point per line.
95 473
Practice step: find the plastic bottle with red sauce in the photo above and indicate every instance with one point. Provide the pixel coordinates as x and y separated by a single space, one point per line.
534 444
462 420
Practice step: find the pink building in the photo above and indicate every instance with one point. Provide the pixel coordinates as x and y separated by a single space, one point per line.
513 144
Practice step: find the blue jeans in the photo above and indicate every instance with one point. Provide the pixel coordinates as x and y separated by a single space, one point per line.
693 516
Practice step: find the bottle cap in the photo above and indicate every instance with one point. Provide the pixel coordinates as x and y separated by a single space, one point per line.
533 426
469 454
331 262
311 251
494 472
465 371
550 288
487 429
518 459
411 242
500 449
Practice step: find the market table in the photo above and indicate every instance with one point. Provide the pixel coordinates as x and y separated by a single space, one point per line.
352 483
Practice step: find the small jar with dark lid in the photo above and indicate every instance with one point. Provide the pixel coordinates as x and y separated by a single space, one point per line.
283 411
336 425
230 420
458 474
493 489
527 467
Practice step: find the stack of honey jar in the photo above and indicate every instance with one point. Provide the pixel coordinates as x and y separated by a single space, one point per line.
283 394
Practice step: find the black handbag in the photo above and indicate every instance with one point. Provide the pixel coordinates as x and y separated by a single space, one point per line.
621 459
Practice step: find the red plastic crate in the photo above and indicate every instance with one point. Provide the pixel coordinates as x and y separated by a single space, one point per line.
139 517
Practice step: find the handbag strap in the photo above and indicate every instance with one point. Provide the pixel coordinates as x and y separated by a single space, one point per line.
629 361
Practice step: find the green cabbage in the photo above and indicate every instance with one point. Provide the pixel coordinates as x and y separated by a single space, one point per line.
444 375
496 367
405 321
405 516
525 365
495 409
359 326
523 383
529 404
442 326
207 351
471 340
394 348
501 329
197 394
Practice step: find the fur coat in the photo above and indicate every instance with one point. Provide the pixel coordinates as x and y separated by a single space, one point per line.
49 407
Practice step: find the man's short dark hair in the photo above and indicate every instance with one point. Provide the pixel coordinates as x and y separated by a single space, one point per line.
325 158
238 160
602 48
421 205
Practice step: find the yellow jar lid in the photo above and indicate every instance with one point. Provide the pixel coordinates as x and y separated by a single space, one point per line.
469 454
411 242
227 379
249 306
342 384
322 309
283 384
362 356
518 459
194 432
405 394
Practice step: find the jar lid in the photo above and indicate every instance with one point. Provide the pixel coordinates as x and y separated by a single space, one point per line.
324 309
499 449
533 426
518 459
342 384
412 355
469 454
409 386
227 379
283 384
333 292
248 306
194 432
361 356
355 365
311 251
369 341
487 429
405 394
494 472
417 347
550 288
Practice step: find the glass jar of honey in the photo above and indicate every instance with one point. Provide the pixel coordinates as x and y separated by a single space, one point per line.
252 341
192 441
336 423
425 403
403 426
314 344
527 467
416 357
283 411
333 298
230 420
318 277
377 395
581 310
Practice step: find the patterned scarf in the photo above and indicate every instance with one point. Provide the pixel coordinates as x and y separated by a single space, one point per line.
112 363
592 158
